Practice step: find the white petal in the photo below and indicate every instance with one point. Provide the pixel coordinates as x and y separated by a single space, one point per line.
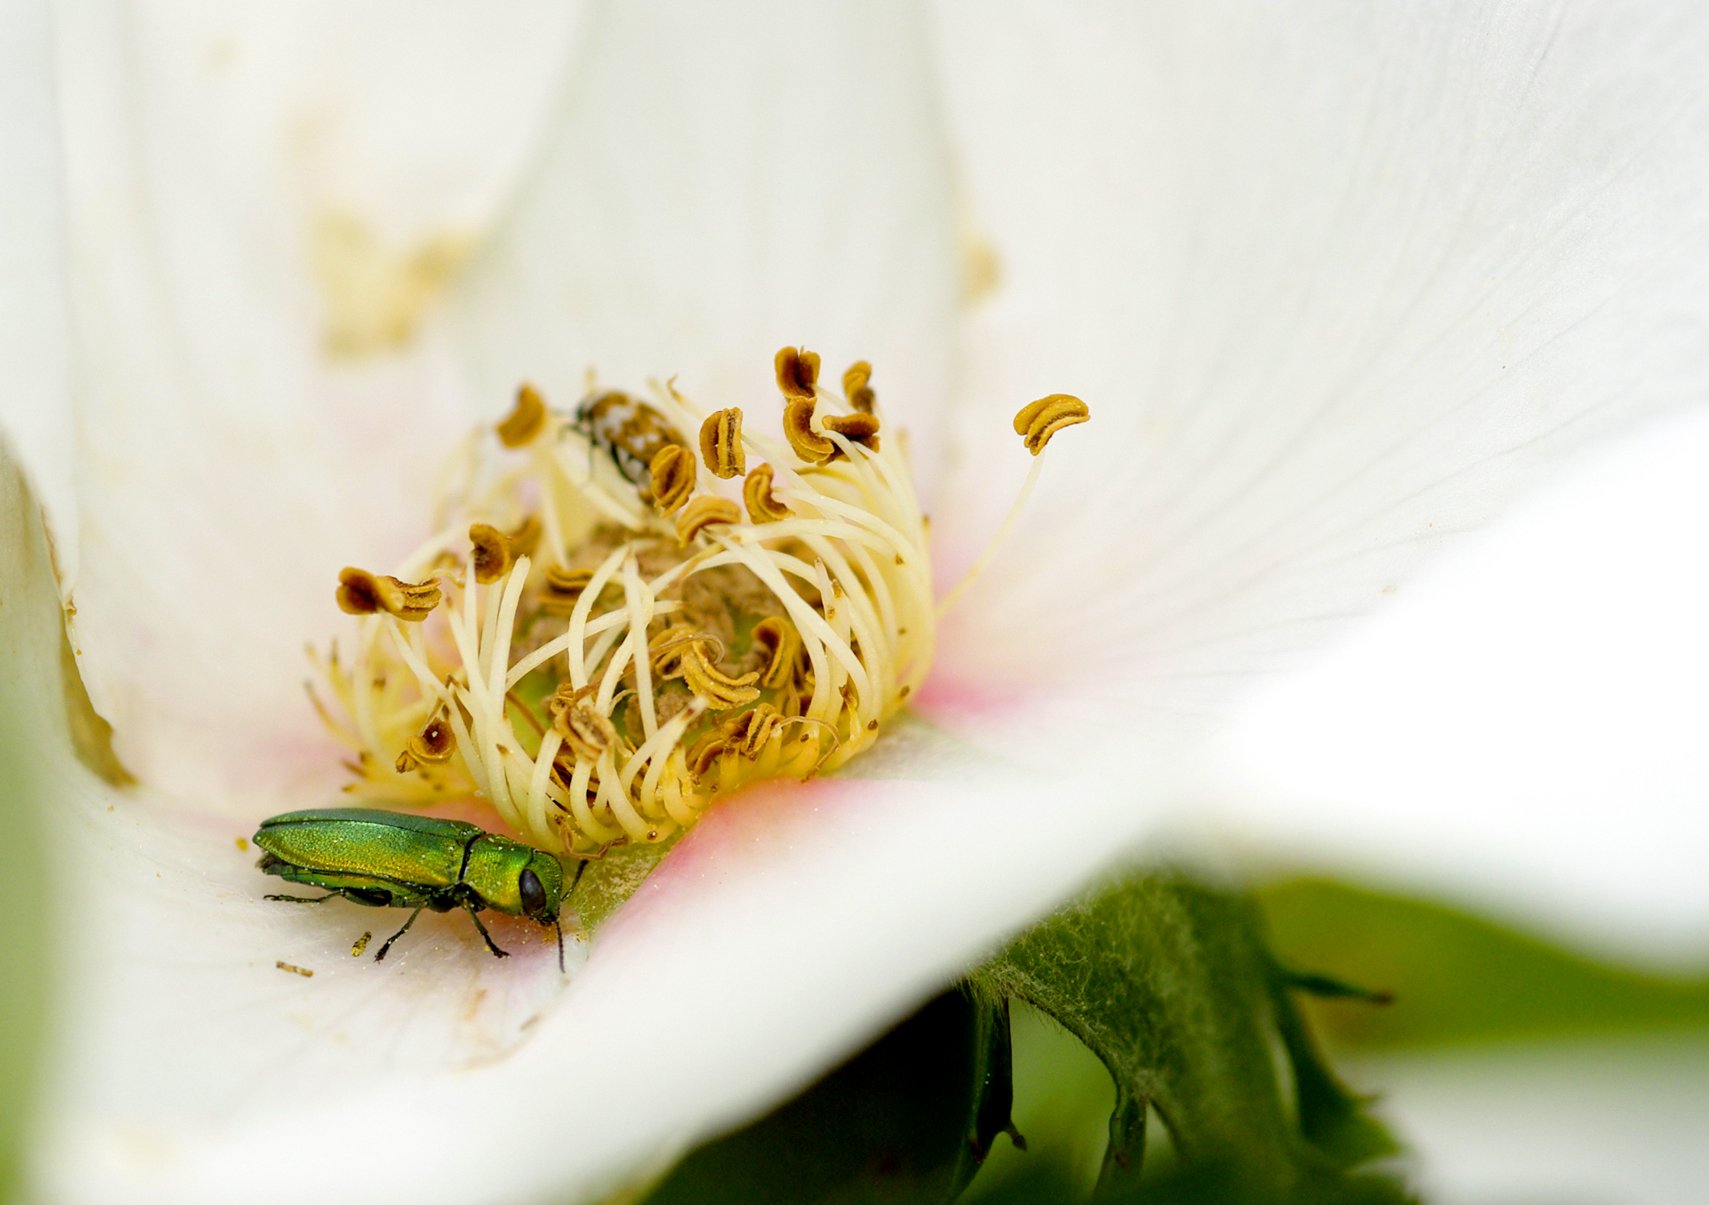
1577 1121
261 207
1525 728
1333 284
726 182
793 923
34 412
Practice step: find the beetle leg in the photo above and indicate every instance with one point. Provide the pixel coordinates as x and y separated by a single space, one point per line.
399 933
304 899
485 936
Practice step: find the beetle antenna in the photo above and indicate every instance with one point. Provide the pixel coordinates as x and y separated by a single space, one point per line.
559 928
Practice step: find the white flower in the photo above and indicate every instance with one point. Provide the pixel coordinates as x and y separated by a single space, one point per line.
1333 284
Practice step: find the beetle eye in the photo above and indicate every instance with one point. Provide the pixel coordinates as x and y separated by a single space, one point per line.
533 894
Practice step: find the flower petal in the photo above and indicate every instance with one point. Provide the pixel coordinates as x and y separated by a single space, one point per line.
1525 728
1333 286
724 183
261 210
34 346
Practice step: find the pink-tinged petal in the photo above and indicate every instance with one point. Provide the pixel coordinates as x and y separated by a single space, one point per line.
1524 730
1334 286
722 183
262 211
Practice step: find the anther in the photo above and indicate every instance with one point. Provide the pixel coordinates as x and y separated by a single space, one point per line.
719 689
797 372
809 444
857 428
856 389
782 645
721 443
524 536
1038 421
672 475
562 587
762 503
705 511
525 419
432 745
586 731
364 593
492 552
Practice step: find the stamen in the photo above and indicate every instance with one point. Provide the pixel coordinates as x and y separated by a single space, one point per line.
855 387
762 503
1036 422
672 475
492 552
364 593
809 445
721 443
526 420
620 650
705 511
797 372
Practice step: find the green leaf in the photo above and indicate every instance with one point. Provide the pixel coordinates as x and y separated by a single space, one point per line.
1456 978
34 699
1172 986
907 1119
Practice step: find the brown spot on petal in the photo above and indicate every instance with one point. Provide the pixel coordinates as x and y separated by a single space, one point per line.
797 372
526 419
1038 421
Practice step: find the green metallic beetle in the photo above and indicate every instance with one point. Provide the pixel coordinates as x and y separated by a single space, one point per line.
398 860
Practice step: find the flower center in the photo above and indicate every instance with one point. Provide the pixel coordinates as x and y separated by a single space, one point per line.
601 642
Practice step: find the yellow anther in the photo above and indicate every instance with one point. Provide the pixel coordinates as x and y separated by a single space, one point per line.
781 644
797 372
1038 421
432 745
857 428
811 446
524 536
562 587
492 552
748 733
672 476
856 389
721 443
525 420
763 506
719 689
705 511
364 593
667 647
587 732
